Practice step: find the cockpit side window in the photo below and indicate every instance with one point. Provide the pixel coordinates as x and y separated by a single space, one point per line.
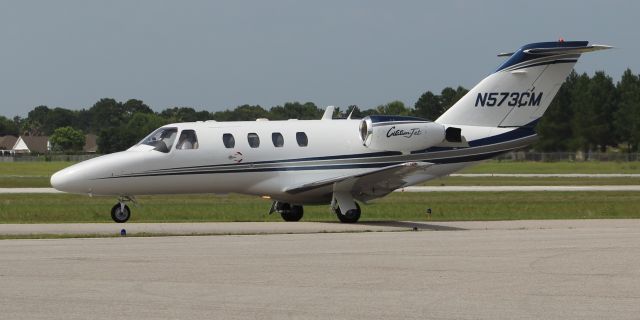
188 140
161 139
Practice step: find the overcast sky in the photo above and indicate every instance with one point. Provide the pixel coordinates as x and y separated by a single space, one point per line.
216 55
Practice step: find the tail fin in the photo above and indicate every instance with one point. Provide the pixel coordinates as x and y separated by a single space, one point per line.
521 89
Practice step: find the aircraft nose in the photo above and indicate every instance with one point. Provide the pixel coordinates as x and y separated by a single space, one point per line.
60 180
67 180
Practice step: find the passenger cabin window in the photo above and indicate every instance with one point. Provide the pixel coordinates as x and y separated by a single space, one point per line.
278 140
301 137
161 139
254 140
188 140
228 140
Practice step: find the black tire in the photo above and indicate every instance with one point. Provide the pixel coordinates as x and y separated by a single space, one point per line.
352 216
293 214
119 215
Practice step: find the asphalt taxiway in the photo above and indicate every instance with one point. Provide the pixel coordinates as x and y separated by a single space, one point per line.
570 269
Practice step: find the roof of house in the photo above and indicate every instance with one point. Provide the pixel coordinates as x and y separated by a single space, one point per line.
36 143
7 142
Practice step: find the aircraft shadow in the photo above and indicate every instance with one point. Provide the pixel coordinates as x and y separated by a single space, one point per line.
411 225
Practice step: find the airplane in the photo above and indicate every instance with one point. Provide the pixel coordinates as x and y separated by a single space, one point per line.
339 162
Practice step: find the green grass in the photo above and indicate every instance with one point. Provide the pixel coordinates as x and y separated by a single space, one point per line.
529 181
56 208
495 166
33 168
28 174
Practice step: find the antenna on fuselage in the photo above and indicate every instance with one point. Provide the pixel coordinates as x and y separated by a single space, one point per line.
350 113
328 113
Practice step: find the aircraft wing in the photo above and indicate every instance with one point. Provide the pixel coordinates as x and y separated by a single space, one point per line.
371 184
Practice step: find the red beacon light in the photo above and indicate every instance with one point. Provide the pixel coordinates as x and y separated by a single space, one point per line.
561 39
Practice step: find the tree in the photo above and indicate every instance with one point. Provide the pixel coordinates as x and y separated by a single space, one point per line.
295 110
67 139
57 118
594 103
554 129
43 121
393 108
34 124
106 113
242 113
113 139
582 118
428 106
603 98
184 114
133 106
449 96
627 117
8 127
431 106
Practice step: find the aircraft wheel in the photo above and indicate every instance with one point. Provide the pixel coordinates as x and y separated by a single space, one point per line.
119 215
293 214
351 216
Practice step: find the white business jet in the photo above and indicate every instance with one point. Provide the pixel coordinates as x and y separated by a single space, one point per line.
332 161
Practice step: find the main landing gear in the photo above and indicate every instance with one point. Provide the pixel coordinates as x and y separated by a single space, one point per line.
287 211
120 212
291 212
351 216
345 207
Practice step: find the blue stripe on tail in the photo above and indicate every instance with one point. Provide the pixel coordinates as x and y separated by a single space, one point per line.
520 56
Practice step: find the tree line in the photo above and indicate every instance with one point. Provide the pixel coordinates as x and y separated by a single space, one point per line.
589 113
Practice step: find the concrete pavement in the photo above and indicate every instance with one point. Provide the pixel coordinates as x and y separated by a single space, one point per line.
586 269
252 228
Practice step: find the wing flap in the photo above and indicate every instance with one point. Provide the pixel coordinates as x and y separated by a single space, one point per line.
384 180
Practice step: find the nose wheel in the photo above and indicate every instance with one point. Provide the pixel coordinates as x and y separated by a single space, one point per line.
120 213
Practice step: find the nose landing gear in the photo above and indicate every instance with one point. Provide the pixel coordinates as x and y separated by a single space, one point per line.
120 212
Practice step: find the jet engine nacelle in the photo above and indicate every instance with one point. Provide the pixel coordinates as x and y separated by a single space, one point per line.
400 133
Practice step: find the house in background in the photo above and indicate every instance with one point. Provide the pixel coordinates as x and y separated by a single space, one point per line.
6 144
24 145
32 144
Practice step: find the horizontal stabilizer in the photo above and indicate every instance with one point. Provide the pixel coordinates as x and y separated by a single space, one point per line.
567 50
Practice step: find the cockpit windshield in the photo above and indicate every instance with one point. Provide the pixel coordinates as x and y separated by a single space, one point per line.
161 139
